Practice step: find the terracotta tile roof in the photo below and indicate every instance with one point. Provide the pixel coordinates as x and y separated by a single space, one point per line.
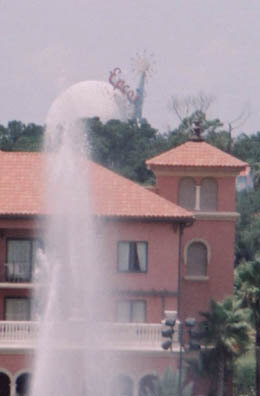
126 198
196 154
22 191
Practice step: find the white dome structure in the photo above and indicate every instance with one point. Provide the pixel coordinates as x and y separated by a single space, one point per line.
88 99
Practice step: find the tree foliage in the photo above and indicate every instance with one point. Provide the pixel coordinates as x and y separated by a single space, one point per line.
247 147
244 376
248 225
225 335
20 137
124 146
247 284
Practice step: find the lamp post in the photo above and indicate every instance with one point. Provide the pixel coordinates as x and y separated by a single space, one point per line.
180 360
168 333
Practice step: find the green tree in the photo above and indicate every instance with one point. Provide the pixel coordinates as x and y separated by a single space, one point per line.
225 335
248 225
219 139
211 130
20 137
247 147
207 126
124 146
247 284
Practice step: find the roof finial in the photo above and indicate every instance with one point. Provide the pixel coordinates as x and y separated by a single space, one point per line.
196 127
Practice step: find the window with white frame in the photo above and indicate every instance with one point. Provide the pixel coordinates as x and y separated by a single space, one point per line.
131 311
197 258
132 256
21 255
17 308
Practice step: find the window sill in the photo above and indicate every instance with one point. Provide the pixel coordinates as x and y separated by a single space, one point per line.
131 272
196 278
215 215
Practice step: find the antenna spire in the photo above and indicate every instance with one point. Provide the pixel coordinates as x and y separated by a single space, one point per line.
143 65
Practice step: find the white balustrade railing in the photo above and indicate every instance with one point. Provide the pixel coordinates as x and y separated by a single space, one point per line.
139 335
18 332
118 335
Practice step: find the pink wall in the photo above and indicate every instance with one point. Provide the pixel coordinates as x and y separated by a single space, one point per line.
162 267
161 275
162 254
16 362
219 235
167 186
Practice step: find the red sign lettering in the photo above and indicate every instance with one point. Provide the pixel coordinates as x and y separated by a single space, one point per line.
121 85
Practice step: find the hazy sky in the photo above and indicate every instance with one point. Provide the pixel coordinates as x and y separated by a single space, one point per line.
198 45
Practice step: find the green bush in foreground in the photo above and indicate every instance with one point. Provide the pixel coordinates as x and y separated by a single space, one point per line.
244 376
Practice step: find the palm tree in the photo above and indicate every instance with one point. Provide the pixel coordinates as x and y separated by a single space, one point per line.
247 284
224 334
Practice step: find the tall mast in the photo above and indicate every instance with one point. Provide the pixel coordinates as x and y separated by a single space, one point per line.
143 67
138 105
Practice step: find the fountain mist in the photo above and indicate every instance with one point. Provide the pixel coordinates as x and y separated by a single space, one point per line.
72 292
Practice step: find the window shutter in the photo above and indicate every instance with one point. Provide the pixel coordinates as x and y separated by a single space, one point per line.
187 193
208 194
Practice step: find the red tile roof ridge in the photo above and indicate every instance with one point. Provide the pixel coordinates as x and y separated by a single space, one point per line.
196 154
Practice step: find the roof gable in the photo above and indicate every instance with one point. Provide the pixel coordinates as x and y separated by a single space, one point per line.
196 154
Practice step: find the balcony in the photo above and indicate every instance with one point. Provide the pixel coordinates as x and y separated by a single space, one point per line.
121 336
16 334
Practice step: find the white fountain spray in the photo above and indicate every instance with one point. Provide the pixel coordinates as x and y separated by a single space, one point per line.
72 291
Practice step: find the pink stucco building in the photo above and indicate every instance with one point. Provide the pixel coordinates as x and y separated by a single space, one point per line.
170 248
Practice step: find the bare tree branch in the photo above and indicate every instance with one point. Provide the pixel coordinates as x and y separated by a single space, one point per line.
237 123
241 118
184 107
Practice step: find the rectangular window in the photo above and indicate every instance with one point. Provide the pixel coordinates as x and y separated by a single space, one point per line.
132 256
131 311
17 308
21 254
